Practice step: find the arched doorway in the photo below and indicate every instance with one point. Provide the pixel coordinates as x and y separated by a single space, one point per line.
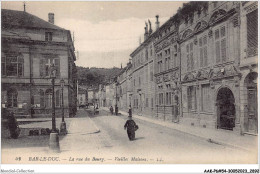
226 109
251 111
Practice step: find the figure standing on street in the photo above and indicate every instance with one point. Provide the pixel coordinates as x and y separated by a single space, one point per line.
116 109
130 111
111 109
131 127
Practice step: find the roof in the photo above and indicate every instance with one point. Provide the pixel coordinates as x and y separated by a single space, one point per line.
12 18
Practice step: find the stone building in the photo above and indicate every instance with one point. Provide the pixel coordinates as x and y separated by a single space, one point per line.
30 46
167 72
124 87
210 67
205 67
82 96
143 95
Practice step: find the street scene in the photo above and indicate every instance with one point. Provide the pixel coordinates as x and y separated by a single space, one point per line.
129 82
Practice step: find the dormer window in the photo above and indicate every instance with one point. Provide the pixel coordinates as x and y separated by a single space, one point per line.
48 36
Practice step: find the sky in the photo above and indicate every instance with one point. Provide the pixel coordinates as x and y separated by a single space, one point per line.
105 33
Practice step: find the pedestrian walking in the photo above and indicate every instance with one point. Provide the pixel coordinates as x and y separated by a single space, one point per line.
111 109
131 127
130 111
116 109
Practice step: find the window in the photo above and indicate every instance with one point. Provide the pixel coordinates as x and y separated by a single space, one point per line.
167 59
12 65
12 98
168 98
206 104
58 98
220 45
146 103
45 65
190 61
191 95
41 98
48 98
48 36
252 33
151 51
160 98
160 66
203 51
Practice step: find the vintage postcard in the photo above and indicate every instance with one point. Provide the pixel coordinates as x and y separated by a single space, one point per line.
169 82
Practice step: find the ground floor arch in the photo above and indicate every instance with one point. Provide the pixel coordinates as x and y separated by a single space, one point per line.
226 111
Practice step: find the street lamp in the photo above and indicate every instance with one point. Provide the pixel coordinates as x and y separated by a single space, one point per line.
63 129
54 137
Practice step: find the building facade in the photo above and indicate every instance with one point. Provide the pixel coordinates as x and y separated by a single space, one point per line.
200 67
82 96
143 95
30 46
167 72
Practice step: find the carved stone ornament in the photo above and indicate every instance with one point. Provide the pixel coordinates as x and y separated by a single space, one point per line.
195 41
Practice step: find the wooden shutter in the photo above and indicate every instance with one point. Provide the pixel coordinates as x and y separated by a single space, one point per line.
42 65
223 50
201 57
205 56
252 33
57 65
217 52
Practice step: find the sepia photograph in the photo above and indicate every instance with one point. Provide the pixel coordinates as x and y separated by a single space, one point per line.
129 82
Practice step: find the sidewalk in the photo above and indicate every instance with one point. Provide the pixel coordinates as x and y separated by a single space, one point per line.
218 136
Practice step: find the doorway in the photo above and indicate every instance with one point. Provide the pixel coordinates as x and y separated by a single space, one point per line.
251 107
226 111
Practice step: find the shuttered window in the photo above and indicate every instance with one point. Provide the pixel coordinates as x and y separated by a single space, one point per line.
203 51
221 45
191 98
206 104
252 33
190 60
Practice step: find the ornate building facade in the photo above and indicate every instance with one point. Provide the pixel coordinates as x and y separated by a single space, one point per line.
167 72
210 66
30 46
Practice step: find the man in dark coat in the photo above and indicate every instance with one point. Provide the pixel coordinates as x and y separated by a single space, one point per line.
131 128
111 110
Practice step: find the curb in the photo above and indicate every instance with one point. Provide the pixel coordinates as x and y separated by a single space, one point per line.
208 139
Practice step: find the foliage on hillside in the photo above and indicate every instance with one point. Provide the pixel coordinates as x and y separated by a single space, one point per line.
95 76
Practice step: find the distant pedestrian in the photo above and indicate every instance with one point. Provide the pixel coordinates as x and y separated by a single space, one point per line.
111 109
116 109
130 111
131 127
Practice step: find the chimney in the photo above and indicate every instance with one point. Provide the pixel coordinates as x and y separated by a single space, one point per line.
150 27
145 31
157 23
51 18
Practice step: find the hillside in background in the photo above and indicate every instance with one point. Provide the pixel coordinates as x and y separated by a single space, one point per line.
95 76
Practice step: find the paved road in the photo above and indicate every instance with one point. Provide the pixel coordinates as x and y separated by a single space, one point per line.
157 142
153 144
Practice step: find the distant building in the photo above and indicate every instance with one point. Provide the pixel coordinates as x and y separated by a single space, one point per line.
30 46
143 93
82 96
